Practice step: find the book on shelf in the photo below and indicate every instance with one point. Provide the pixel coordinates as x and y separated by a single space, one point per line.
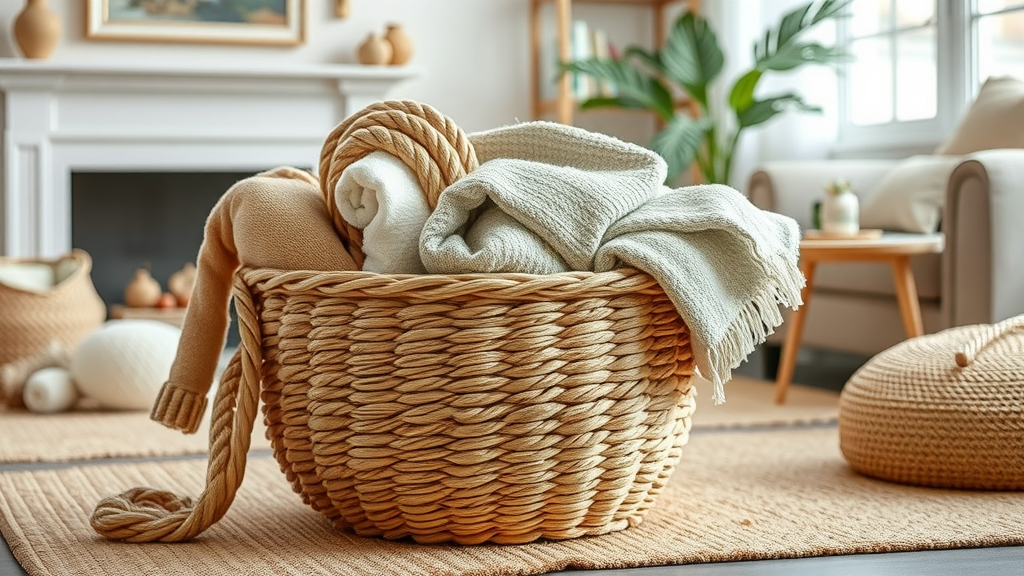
585 42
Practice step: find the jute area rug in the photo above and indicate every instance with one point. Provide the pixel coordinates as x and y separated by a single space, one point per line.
736 495
81 435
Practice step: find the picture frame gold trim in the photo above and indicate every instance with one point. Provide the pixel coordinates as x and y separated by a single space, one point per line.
102 23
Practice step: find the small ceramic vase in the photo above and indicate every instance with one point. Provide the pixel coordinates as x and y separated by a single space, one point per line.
143 291
180 284
37 29
401 44
375 51
840 213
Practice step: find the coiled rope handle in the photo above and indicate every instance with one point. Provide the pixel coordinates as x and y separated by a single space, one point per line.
149 515
988 334
436 150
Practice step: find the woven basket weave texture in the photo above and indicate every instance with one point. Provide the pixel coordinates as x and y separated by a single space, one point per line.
479 408
446 408
943 410
66 313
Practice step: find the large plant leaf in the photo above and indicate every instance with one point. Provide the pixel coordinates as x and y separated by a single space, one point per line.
692 56
742 94
649 59
635 89
763 110
829 9
795 55
792 24
776 44
609 102
680 141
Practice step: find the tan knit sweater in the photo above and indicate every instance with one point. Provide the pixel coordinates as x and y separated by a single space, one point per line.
276 219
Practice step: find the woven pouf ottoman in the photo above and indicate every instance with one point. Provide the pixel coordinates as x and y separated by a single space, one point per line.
942 410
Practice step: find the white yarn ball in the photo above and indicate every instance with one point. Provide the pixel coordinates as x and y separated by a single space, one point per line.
50 390
124 364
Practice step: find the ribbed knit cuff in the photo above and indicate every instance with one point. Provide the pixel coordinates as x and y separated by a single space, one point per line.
179 408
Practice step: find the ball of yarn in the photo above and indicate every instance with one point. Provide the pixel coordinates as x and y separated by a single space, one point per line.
50 390
124 363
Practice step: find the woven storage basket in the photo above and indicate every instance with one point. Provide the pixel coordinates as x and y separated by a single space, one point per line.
31 320
446 408
500 408
942 410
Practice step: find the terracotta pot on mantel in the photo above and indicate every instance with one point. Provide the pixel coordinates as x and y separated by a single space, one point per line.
37 29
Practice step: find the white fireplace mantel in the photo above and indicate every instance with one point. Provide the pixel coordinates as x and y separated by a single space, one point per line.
62 117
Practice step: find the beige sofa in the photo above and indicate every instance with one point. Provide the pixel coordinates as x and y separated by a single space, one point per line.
978 199
979 277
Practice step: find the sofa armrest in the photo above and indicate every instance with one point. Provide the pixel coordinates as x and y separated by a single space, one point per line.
792 187
983 280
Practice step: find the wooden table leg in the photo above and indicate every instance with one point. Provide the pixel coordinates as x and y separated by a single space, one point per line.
796 328
906 295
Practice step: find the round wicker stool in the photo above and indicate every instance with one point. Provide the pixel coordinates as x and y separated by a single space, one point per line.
943 410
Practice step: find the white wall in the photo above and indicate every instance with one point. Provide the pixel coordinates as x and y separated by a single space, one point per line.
474 52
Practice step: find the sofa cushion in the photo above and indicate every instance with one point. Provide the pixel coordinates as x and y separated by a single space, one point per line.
909 198
994 120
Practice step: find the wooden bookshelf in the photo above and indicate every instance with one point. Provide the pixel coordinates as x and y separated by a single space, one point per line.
563 105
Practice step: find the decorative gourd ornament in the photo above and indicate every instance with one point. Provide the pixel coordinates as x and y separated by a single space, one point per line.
50 390
124 363
181 282
143 291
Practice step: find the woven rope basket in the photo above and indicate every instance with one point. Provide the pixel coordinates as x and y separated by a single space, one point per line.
447 408
484 408
943 410
31 320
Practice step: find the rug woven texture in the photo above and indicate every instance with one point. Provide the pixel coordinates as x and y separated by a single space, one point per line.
736 495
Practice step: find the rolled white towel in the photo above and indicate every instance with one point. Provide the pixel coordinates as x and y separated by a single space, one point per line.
380 195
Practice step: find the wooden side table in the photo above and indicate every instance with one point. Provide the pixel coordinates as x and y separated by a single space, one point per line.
893 248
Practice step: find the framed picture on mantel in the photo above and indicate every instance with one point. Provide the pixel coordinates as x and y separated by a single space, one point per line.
263 22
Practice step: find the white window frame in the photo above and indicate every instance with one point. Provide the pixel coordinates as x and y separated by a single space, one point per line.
957 83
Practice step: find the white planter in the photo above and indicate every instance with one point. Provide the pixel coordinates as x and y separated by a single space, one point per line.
840 214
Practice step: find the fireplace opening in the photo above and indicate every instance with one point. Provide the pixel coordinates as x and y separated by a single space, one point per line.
129 220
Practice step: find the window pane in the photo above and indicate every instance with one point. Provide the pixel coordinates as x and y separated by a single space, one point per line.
989 6
869 17
1001 45
916 81
915 13
870 82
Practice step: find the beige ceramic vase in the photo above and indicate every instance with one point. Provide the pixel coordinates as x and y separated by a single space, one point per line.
375 50
401 44
37 29
143 291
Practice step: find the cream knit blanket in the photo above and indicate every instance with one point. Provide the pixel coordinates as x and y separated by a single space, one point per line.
550 198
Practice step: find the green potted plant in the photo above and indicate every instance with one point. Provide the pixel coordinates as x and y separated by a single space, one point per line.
692 60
